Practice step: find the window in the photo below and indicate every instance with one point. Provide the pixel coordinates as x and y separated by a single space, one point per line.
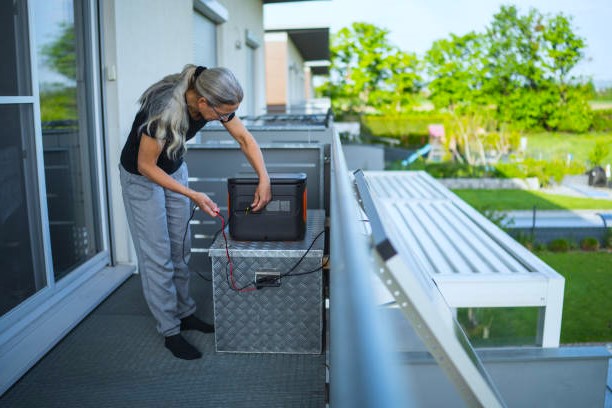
204 41
252 44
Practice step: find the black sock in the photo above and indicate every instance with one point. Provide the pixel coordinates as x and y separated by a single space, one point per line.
193 323
181 348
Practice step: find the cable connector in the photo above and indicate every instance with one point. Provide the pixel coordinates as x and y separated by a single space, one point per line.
267 279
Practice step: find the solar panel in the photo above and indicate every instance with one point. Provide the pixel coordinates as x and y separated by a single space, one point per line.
421 302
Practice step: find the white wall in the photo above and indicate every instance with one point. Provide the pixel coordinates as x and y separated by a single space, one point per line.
144 40
243 15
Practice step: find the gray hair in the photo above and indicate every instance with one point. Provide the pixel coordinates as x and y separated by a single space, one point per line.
219 86
165 106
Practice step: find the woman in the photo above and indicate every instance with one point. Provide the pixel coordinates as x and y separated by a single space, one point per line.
156 195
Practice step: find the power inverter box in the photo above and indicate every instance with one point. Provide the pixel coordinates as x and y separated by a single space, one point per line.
283 219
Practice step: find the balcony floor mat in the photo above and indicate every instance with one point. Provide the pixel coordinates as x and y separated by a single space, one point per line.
115 358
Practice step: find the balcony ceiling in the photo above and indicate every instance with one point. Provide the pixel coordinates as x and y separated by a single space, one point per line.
312 43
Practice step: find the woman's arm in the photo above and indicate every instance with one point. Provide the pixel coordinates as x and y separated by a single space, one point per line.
250 148
148 153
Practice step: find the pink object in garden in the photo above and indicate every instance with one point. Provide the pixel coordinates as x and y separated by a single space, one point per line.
436 131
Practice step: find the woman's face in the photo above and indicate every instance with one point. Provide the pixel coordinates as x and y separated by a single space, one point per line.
220 113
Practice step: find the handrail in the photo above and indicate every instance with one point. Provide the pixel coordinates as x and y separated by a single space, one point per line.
362 371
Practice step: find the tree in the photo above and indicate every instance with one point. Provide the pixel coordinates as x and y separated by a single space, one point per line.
60 54
367 73
455 67
520 66
59 100
530 58
515 70
403 83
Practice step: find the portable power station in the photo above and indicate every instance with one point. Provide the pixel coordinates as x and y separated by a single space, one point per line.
283 219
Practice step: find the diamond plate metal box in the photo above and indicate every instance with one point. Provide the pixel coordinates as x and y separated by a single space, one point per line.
283 319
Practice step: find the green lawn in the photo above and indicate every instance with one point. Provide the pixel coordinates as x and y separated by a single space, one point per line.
587 306
549 146
500 200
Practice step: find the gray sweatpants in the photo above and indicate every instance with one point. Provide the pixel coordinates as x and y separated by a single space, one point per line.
157 218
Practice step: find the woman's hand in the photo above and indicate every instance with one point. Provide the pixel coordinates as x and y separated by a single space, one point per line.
205 203
250 148
263 195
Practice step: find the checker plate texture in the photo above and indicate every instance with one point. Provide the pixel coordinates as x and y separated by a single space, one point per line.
284 319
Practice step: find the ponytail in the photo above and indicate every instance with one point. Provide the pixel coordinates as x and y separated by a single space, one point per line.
166 111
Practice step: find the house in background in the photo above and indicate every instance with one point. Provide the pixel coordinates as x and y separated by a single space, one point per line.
293 57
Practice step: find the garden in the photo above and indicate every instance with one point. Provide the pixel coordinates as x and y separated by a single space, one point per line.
502 103
586 306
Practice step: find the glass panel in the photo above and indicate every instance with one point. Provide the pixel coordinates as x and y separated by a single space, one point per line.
68 145
21 275
500 326
14 50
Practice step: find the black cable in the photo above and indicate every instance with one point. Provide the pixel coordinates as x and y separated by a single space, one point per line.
185 236
305 273
288 273
228 277
311 271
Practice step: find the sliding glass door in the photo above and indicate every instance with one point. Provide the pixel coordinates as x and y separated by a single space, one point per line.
50 193
22 271
67 136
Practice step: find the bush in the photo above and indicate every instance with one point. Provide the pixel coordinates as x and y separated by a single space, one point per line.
559 245
545 171
447 169
526 240
607 241
409 129
599 153
499 218
602 120
589 244
573 117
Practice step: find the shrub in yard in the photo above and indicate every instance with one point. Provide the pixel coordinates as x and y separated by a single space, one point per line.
559 245
589 244
545 171
607 241
447 169
410 129
525 240
599 153
499 218
602 120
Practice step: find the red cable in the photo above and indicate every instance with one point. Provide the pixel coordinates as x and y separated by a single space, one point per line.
229 260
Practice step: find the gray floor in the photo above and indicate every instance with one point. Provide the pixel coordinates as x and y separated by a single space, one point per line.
115 358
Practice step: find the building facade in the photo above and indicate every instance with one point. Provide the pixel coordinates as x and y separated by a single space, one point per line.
72 73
